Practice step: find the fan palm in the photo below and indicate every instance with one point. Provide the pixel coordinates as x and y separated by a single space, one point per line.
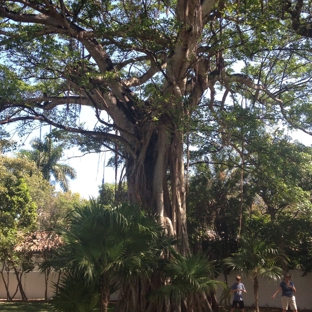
259 259
47 157
189 279
105 246
74 296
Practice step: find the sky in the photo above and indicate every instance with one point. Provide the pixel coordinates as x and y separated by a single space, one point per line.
91 168
91 171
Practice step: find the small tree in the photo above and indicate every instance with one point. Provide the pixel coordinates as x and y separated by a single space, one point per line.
259 259
18 215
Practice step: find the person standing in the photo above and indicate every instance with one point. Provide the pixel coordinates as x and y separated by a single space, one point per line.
238 289
288 290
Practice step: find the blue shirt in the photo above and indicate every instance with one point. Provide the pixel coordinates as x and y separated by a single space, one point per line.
286 291
238 295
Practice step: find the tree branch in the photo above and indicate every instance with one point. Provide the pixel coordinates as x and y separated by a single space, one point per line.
244 79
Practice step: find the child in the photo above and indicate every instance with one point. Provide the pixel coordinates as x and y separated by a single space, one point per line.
237 289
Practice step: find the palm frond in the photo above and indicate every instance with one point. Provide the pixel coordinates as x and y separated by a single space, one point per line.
114 245
72 294
186 276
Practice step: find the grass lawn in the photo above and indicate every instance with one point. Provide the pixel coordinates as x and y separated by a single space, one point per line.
25 306
28 307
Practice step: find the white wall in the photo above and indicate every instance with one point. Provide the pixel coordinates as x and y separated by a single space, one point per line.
33 285
34 288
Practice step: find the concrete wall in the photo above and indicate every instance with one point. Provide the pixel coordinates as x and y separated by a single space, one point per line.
33 284
34 287
268 287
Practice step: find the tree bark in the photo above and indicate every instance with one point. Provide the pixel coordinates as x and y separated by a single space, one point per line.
19 276
148 174
105 294
256 290
6 283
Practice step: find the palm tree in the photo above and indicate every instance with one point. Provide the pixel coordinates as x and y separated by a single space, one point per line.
259 259
104 247
73 296
47 157
191 279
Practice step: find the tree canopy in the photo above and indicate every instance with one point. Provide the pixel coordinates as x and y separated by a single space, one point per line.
18 210
153 73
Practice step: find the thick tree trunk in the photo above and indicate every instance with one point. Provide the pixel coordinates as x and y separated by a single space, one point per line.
134 297
156 180
178 192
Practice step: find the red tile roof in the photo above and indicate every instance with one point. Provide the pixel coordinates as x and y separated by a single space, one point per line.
39 241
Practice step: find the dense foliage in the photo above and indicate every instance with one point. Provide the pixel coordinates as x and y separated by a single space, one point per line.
28 204
172 85
124 248
18 214
18 210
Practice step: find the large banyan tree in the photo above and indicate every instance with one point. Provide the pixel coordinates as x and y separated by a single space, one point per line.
148 68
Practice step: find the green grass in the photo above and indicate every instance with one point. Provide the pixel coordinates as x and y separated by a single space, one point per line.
29 307
25 306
